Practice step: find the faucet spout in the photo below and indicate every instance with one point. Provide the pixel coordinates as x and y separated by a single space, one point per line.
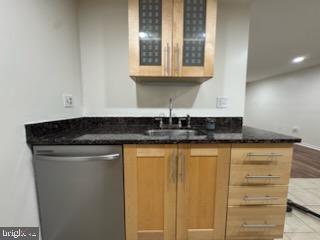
170 111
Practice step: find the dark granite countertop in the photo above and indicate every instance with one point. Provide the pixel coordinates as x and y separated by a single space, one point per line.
94 131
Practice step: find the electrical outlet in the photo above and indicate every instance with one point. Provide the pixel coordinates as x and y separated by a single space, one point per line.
295 129
222 102
68 101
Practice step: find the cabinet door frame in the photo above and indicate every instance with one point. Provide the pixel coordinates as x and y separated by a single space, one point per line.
137 70
131 155
207 70
222 152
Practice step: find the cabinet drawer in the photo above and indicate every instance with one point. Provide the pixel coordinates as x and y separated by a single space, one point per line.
261 195
256 222
260 174
261 154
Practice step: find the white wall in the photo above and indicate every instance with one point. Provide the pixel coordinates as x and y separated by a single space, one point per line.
39 61
285 102
108 90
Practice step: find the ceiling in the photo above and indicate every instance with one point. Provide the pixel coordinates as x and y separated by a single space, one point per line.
280 31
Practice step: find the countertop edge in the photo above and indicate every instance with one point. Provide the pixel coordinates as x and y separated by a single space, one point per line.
122 142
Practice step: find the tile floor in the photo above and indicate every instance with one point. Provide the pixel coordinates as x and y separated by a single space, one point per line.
304 191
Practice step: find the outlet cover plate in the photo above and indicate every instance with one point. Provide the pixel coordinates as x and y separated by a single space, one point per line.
68 101
222 102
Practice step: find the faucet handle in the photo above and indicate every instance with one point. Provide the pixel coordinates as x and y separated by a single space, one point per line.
188 121
161 121
180 119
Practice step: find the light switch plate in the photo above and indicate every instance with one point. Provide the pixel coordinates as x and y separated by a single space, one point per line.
222 102
68 101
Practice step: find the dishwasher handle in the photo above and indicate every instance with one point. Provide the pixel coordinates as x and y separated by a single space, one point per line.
109 157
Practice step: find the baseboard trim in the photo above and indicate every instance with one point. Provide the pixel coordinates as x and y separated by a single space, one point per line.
305 145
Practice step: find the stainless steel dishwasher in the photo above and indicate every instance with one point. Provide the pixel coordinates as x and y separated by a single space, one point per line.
80 192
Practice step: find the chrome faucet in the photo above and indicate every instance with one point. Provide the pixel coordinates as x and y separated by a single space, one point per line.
170 122
170 111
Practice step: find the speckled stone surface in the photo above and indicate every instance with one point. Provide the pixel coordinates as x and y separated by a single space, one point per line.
104 131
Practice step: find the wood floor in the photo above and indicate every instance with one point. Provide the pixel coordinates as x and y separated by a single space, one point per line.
306 162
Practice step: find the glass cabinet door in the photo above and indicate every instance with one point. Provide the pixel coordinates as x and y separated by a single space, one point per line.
150 28
194 32
150 37
193 40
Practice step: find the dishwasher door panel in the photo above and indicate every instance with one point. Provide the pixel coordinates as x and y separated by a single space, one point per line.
80 200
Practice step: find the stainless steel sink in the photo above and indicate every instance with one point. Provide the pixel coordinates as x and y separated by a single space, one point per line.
172 132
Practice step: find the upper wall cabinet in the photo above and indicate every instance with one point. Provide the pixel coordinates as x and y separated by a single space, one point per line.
172 39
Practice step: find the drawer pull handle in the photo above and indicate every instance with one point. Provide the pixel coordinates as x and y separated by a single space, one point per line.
257 157
265 198
182 166
259 225
173 168
262 177
264 155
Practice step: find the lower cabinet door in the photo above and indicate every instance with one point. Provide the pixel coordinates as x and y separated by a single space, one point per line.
150 191
203 175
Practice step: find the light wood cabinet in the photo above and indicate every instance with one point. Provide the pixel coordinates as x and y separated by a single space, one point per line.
203 172
150 38
259 178
260 174
256 222
172 39
201 191
176 191
258 195
194 50
150 191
